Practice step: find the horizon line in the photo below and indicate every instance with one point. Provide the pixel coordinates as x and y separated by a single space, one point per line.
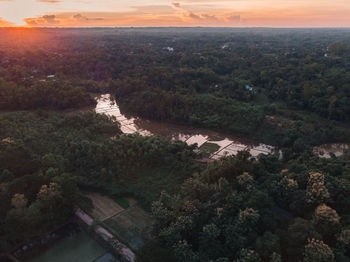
154 27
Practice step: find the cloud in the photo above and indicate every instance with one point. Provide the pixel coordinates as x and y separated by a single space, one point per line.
234 19
46 20
275 13
4 23
139 16
50 1
176 5
208 17
193 16
80 17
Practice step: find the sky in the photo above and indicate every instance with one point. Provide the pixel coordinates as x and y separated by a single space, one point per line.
223 13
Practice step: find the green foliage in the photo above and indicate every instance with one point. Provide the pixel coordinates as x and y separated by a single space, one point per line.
153 252
236 209
49 95
295 93
317 251
216 216
123 202
45 158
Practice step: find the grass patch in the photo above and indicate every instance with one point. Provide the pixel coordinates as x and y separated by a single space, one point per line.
207 149
133 227
103 206
123 202
146 185
78 248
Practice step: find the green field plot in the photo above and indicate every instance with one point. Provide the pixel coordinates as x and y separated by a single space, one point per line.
104 207
123 202
207 149
78 248
132 226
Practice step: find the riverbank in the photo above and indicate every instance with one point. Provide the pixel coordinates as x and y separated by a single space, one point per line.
213 145
227 144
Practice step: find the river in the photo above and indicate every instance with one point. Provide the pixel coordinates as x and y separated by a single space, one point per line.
218 144
326 150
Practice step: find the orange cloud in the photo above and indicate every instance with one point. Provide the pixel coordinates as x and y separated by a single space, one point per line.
50 1
141 16
228 13
46 20
4 23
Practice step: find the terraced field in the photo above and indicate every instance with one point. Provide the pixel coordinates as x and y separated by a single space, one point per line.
103 207
131 225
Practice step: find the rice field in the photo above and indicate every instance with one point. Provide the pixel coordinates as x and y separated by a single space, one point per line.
78 248
103 207
132 226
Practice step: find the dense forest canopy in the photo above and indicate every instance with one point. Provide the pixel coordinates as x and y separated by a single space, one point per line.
285 87
240 209
58 152
298 76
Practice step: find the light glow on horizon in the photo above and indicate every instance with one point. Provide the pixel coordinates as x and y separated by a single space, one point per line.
233 13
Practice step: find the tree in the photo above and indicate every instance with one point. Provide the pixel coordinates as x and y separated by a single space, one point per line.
344 237
326 220
19 202
184 252
275 257
297 235
154 252
267 245
209 243
316 190
317 251
52 205
248 255
248 217
245 181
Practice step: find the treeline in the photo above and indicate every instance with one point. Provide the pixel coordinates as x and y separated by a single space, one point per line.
268 123
227 79
197 109
46 158
240 209
48 94
296 69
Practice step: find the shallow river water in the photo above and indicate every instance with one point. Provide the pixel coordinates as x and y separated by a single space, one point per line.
226 145
326 150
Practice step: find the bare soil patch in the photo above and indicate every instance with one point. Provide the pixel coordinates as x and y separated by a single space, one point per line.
104 207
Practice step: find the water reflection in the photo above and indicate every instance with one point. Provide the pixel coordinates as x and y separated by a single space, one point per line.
106 105
326 150
228 145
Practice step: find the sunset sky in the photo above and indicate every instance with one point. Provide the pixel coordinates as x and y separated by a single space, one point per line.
231 13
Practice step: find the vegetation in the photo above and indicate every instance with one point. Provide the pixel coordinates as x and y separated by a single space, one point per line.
45 157
241 209
288 88
277 86
45 95
123 202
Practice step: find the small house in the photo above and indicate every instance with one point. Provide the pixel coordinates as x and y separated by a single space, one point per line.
249 88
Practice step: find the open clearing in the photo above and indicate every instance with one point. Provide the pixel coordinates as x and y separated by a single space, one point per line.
207 149
132 226
78 248
104 207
